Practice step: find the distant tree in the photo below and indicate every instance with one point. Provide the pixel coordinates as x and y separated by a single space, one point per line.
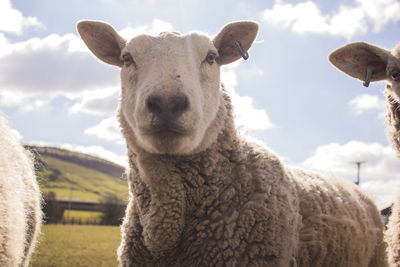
114 210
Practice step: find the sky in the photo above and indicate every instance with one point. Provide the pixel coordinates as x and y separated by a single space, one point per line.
286 95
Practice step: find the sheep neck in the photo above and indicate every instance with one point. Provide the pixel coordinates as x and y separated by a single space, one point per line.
159 182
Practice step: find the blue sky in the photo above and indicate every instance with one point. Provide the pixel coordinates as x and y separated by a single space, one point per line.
287 95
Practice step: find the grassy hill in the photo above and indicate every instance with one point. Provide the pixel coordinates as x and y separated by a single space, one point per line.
78 176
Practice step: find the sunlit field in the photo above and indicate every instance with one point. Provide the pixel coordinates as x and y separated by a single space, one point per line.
71 245
82 217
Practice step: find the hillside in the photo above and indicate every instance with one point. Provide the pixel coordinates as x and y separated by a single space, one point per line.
77 176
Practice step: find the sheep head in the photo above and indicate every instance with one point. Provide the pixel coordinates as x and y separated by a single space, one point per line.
356 58
171 90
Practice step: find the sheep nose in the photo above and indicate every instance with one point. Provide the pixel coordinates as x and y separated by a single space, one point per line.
169 107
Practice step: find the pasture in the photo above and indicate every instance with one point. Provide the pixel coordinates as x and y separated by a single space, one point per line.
72 245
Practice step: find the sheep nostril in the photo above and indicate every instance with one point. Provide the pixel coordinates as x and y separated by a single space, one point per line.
167 107
179 104
155 104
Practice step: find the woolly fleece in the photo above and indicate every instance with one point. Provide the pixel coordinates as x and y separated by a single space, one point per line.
354 59
20 201
223 201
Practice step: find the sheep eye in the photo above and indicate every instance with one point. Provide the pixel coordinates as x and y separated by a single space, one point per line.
128 60
211 57
396 75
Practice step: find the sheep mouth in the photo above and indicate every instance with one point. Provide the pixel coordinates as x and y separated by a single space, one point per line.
165 130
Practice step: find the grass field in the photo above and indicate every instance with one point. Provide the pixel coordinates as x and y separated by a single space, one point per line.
71 245
83 217
72 181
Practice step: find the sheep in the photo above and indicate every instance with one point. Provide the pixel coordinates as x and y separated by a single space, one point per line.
200 194
359 58
20 201
392 235
372 63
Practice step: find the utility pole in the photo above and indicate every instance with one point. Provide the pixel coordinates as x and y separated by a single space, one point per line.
358 171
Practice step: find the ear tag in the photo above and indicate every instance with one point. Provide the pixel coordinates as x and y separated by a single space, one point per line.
244 54
368 76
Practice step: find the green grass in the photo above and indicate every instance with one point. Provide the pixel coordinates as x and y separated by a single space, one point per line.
84 217
67 245
68 180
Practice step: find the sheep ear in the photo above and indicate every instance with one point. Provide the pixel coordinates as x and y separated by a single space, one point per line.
244 32
354 59
102 40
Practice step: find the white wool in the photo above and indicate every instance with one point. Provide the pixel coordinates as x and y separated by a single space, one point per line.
19 201
201 195
355 59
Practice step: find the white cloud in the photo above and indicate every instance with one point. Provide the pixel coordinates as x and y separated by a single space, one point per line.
380 12
246 115
348 21
97 102
99 151
54 64
5 46
108 129
12 20
25 101
155 28
252 71
301 17
380 170
367 103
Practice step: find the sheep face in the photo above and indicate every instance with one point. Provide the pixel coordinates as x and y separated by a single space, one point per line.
171 91
354 59
393 73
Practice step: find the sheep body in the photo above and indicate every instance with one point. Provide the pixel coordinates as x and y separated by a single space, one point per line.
392 235
20 201
354 59
214 199
392 93
244 208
